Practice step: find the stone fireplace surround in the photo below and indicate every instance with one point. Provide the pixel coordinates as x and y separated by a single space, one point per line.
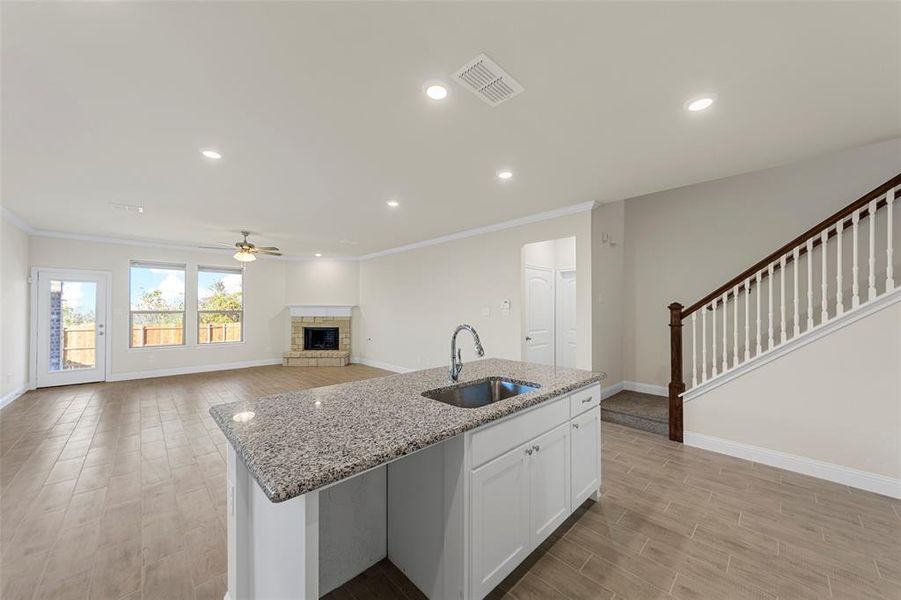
318 316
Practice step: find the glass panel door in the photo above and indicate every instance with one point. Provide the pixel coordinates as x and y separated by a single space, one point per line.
71 327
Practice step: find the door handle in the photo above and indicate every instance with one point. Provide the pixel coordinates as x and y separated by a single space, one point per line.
528 338
575 425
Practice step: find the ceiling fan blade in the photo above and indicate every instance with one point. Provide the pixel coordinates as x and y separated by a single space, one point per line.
270 252
267 248
222 247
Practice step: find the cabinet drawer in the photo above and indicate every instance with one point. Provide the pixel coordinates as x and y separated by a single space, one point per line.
584 399
496 438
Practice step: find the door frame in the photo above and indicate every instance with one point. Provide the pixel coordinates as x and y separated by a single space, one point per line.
107 276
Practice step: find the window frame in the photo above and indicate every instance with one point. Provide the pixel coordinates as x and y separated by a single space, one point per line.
217 269
184 312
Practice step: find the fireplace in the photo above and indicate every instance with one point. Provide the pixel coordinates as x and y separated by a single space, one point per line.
320 338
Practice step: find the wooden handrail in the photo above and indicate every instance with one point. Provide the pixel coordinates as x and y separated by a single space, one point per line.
842 215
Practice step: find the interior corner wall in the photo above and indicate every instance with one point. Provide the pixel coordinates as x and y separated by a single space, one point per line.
680 244
411 301
14 273
607 249
265 317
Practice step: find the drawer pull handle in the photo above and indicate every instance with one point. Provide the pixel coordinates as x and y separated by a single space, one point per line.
587 400
575 425
536 447
529 451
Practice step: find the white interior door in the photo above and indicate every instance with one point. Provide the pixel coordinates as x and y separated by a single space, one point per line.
71 327
566 319
539 313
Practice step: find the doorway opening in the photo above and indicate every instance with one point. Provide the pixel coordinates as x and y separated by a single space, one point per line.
549 302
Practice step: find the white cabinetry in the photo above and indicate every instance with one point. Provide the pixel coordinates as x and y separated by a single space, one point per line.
500 517
585 456
549 483
517 499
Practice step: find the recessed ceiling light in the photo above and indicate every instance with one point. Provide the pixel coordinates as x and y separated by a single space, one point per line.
436 91
318 254
393 203
243 417
699 104
505 175
212 154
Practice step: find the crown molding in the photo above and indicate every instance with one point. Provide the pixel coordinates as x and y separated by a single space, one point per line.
14 219
535 218
149 243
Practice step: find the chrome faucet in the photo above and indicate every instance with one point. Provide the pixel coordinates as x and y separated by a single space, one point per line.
456 364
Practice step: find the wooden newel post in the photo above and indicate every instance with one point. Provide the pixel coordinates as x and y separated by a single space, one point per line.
676 385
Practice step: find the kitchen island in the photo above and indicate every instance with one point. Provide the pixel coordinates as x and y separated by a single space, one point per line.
323 483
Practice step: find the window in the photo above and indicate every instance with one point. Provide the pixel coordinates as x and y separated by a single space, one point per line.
220 305
157 313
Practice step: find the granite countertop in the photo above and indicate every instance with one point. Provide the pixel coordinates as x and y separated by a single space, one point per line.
299 441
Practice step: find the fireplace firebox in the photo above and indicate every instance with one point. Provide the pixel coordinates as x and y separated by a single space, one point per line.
320 338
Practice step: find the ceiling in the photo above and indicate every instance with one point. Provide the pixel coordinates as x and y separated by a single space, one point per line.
319 112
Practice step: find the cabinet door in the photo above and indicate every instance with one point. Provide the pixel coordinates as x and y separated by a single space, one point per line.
550 487
585 444
499 519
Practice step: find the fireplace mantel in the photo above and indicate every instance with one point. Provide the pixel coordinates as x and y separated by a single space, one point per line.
320 310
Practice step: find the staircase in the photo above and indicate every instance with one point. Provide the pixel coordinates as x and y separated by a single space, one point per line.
838 271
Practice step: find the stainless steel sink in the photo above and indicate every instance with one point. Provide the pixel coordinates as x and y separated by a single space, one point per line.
479 393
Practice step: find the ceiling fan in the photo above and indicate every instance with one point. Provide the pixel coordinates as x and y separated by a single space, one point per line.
247 251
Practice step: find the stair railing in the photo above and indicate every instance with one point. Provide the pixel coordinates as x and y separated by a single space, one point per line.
746 289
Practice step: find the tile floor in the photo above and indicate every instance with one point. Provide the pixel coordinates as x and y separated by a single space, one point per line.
117 490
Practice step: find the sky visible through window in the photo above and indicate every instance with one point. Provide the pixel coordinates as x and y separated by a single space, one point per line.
169 282
79 296
206 281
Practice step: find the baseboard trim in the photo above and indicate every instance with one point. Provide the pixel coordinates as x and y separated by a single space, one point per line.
128 376
379 364
646 388
864 480
611 390
8 398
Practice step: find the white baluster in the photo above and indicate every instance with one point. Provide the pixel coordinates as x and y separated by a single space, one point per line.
703 343
782 335
889 250
725 333
824 303
694 353
871 290
839 301
796 319
713 337
747 326
759 348
735 326
809 284
855 288
769 291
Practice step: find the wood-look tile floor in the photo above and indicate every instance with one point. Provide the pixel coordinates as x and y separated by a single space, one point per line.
117 490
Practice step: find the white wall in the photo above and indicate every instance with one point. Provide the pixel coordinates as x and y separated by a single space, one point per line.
607 286
13 310
322 282
681 244
410 302
266 325
836 400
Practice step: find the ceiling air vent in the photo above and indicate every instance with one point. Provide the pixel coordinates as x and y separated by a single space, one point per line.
484 78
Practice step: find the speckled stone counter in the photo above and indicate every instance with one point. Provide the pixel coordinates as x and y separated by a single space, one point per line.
299 441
